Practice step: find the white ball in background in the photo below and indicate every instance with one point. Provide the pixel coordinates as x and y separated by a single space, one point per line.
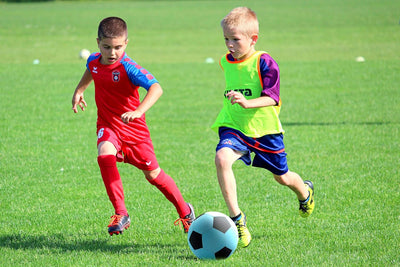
360 59
209 60
84 54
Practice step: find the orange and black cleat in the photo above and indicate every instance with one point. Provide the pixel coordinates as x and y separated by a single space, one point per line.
118 224
187 220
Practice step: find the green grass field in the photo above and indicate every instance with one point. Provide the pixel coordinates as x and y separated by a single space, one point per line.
341 117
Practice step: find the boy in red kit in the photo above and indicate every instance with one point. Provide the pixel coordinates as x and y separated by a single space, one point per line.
122 133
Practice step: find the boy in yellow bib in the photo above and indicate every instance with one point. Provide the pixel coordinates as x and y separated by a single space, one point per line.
249 120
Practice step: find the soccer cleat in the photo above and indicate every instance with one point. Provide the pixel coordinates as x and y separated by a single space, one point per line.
187 220
118 224
307 208
244 233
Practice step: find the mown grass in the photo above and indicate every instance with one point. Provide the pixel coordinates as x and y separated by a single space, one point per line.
341 119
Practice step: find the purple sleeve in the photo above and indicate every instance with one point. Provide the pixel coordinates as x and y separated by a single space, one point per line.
270 77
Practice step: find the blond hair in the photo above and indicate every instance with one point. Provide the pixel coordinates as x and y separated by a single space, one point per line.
243 19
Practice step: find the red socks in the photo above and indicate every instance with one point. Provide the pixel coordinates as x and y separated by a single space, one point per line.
167 186
115 191
112 182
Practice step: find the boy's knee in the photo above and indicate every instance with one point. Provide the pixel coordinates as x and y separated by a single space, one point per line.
221 160
151 175
106 148
225 157
282 179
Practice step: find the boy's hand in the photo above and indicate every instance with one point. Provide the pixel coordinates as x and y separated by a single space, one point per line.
130 116
78 99
237 97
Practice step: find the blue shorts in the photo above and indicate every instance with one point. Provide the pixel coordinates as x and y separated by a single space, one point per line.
269 150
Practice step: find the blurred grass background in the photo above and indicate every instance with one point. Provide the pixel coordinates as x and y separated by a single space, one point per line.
341 119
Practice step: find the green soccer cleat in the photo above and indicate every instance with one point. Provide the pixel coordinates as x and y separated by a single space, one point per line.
307 208
118 224
244 233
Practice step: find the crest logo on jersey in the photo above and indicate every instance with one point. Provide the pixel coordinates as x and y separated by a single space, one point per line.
115 76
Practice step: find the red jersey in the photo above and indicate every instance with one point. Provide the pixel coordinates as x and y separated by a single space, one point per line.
116 92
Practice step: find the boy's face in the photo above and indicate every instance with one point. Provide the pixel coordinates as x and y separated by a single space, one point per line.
112 49
240 45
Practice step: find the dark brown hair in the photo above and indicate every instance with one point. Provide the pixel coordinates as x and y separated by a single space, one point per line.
112 27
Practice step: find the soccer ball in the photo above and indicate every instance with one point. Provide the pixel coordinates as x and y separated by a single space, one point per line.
213 235
84 54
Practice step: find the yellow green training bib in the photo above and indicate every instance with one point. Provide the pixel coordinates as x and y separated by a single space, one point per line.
244 76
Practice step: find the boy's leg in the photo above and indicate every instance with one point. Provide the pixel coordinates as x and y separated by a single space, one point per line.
168 187
224 159
108 167
143 157
112 181
271 155
170 190
303 189
294 182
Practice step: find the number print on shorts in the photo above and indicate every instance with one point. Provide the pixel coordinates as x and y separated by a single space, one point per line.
100 133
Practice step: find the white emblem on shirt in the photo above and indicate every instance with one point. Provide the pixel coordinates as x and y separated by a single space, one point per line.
115 76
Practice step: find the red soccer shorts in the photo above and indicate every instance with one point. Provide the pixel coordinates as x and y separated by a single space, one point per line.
140 155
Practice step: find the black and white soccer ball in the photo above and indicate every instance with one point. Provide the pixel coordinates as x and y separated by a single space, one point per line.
213 235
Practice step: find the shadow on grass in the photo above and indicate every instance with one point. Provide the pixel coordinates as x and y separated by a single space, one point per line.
59 243
335 123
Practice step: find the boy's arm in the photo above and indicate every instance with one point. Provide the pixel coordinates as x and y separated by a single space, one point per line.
77 98
262 101
153 94
270 80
